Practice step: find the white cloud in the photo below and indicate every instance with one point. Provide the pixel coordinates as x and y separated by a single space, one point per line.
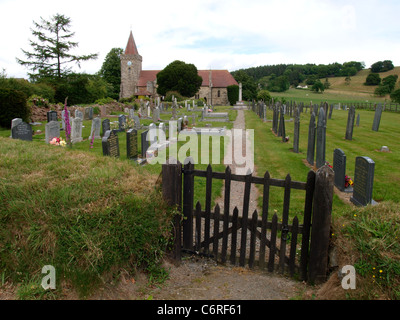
214 34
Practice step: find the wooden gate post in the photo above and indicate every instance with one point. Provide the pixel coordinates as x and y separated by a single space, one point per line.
172 193
188 194
321 225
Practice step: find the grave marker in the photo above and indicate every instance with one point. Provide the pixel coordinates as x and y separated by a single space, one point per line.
321 139
110 144
76 130
339 167
363 182
105 126
51 116
52 130
22 131
311 140
350 123
377 118
131 144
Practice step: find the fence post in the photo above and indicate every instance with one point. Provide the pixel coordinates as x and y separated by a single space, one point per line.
172 193
321 225
188 193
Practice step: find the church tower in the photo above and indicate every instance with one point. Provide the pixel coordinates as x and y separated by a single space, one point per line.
131 66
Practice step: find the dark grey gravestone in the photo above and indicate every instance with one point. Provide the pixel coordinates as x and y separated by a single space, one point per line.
22 131
296 133
144 143
121 122
131 144
321 139
52 130
105 126
274 120
339 167
51 116
377 118
110 144
311 140
358 120
363 182
280 122
330 111
350 123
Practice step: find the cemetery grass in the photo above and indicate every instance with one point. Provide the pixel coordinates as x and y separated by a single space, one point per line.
88 216
367 238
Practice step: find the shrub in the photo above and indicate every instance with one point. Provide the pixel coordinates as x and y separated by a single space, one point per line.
12 105
38 101
373 79
395 96
176 94
233 94
264 96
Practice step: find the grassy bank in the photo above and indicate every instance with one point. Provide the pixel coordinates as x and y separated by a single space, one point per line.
88 216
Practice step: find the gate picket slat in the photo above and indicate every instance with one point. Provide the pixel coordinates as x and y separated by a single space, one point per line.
234 235
285 221
188 192
272 248
216 231
245 215
264 218
198 227
226 213
208 210
293 244
253 239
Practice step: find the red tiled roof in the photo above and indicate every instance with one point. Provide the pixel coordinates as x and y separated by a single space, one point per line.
131 46
219 78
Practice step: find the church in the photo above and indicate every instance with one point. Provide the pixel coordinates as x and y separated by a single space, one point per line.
138 82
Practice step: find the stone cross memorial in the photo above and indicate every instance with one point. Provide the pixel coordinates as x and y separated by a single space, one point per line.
22 131
110 144
363 182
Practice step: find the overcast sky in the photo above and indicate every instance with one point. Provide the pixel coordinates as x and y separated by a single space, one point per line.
224 34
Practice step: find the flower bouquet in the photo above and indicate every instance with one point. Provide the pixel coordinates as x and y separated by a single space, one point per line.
348 182
58 142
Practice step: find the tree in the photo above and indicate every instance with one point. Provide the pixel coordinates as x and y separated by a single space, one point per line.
279 84
264 96
111 71
50 58
390 82
318 86
373 79
181 77
382 66
233 94
249 87
395 96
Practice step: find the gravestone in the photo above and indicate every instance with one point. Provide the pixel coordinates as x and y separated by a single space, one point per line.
156 114
15 122
339 167
358 120
121 122
52 130
377 118
350 123
144 143
296 133
76 130
131 144
136 121
131 113
22 131
363 182
95 128
105 126
78 114
330 111
180 124
51 116
321 139
89 113
311 140
110 144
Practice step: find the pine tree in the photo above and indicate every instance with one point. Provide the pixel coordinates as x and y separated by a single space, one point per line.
50 58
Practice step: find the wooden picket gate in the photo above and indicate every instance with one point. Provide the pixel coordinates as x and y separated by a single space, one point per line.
202 227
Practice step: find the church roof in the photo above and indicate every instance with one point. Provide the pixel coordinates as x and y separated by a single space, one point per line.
131 46
219 78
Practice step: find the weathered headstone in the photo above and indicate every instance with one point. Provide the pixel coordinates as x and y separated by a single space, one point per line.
131 144
339 167
321 139
76 130
122 122
131 113
377 118
95 128
296 133
105 126
78 114
22 131
110 144
144 143
52 130
311 140
51 116
330 111
88 113
350 123
63 119
15 122
358 120
363 181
